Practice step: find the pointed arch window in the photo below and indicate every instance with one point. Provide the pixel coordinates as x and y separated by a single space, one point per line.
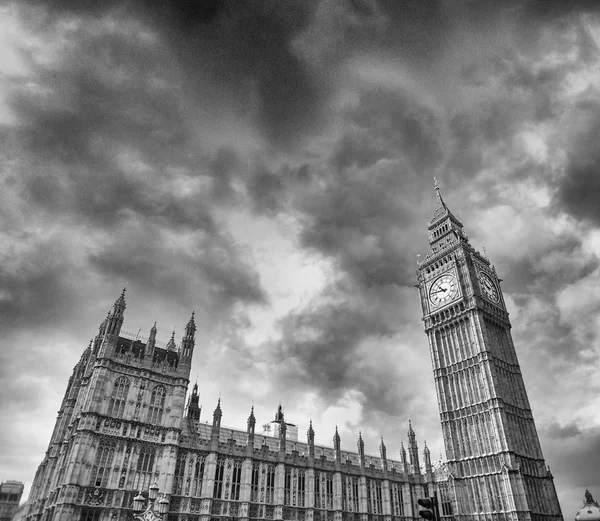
178 476
157 404
198 476
236 481
102 465
270 489
255 487
218 486
116 406
144 468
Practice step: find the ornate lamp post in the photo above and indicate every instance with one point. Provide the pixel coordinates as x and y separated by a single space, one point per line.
153 512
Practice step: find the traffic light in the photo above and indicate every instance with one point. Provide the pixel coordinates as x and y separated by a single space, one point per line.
430 510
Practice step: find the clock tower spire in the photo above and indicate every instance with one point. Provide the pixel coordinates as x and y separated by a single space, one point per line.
492 447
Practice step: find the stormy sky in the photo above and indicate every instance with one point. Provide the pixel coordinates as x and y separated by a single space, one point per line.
269 164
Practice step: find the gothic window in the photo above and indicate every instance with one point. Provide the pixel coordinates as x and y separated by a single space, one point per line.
345 483
369 497
219 471
102 465
236 481
287 486
301 488
90 515
198 476
270 485
329 490
317 490
255 476
118 398
378 505
178 476
157 403
355 497
144 468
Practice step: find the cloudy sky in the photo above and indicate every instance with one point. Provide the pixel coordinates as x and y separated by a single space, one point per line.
269 164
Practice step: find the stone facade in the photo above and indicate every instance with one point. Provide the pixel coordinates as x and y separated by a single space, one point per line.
497 470
10 497
122 425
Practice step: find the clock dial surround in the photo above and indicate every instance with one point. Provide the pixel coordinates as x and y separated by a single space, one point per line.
488 288
443 290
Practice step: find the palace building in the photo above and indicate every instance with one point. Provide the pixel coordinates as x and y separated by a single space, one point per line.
124 424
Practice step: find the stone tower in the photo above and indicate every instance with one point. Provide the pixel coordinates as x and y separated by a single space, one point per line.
496 465
118 428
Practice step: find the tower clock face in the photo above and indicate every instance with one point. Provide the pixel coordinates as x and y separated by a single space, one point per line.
443 290
488 287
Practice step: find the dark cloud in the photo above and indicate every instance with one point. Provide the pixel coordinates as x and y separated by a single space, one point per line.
557 431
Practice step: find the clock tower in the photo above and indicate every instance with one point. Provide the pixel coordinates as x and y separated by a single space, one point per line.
497 469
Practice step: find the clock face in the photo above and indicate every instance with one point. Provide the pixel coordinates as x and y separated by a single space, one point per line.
443 290
488 287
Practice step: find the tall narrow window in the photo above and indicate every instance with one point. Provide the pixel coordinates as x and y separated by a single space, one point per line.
236 481
301 488
102 465
329 490
378 498
345 482
317 490
157 403
178 476
270 496
255 475
198 477
144 468
219 471
355 497
287 486
116 406
369 497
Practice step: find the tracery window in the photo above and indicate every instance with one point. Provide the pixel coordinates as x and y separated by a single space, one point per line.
301 488
287 486
157 403
317 490
144 468
328 490
270 488
236 481
118 398
255 476
378 506
178 476
219 471
102 465
198 477
355 497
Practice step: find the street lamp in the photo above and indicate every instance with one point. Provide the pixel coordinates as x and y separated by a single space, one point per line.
150 513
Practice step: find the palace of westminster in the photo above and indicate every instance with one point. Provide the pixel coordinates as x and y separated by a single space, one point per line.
124 425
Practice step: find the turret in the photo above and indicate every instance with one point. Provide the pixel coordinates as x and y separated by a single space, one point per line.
187 343
383 455
171 343
413 450
216 426
310 436
250 432
403 458
361 449
426 458
337 446
115 318
193 409
151 343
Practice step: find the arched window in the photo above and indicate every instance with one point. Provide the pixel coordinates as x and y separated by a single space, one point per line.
157 403
218 486
144 468
178 476
102 465
198 475
118 397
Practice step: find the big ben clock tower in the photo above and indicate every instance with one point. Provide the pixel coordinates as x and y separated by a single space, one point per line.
497 470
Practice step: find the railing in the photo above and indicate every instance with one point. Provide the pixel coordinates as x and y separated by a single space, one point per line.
136 336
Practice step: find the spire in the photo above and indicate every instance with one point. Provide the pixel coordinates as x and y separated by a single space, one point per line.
310 435
383 455
402 453
361 449
279 415
171 343
114 320
193 408
190 328
337 446
151 342
251 419
441 210
411 433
